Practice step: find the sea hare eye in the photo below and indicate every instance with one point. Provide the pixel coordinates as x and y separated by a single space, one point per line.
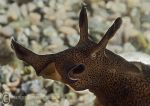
78 69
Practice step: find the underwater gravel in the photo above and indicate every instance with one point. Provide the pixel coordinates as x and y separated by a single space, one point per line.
50 26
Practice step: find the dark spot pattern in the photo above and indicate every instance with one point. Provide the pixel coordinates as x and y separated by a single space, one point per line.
114 80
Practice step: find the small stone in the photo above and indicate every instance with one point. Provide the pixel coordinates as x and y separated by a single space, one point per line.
52 38
60 12
19 24
23 10
73 39
48 83
67 30
7 31
54 97
71 97
133 3
22 38
100 11
1 95
43 91
34 36
70 22
13 12
115 48
25 87
37 48
35 28
23 1
3 3
45 99
35 18
4 86
2 11
146 25
6 54
147 35
128 29
95 37
136 17
58 91
50 31
40 3
36 86
31 6
64 102
35 33
60 48
146 18
145 7
115 7
27 31
3 19
97 25
59 23
87 99
49 14
136 56
56 40
33 100
50 103
5 74
52 3
128 47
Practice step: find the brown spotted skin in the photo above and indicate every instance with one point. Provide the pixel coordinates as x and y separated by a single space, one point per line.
110 78
88 65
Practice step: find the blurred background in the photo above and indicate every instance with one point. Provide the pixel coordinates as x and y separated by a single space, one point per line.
51 26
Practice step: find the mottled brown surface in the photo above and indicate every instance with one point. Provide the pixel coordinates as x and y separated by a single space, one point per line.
114 81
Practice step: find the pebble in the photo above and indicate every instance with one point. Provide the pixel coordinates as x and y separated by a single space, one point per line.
7 31
22 39
36 47
115 7
3 3
31 6
13 12
133 3
25 87
32 100
35 28
20 24
27 31
70 22
3 19
33 86
95 25
23 1
36 86
136 56
128 47
6 55
128 28
136 17
50 31
146 18
115 48
24 10
34 18
73 39
145 7
67 30
147 35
